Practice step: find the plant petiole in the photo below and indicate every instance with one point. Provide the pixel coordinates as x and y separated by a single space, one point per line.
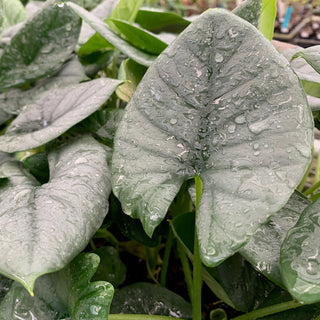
256 314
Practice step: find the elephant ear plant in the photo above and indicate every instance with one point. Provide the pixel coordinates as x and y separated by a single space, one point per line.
212 132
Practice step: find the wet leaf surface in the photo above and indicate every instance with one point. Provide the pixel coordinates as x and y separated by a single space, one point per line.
32 55
13 100
55 112
68 292
249 10
147 298
44 227
300 258
263 250
226 109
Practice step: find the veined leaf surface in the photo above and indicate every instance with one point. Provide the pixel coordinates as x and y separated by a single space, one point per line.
32 55
230 110
300 258
55 112
45 227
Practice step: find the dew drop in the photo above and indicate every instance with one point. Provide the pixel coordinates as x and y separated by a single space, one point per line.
240 119
218 57
95 309
173 121
255 146
232 128
313 267
81 160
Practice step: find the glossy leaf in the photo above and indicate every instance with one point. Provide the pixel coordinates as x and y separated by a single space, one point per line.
263 250
111 268
147 298
140 38
300 258
101 27
11 13
32 55
249 10
219 106
67 292
44 227
158 20
133 72
54 113
14 99
267 18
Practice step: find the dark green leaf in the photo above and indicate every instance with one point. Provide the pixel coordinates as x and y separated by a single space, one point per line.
101 27
32 55
147 298
227 109
38 166
44 227
249 10
263 250
111 268
54 113
13 100
68 292
133 72
156 20
139 38
300 256
5 285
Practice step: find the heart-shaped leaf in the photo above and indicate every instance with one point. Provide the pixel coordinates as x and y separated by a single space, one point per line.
226 108
32 55
263 250
67 292
300 256
44 227
55 112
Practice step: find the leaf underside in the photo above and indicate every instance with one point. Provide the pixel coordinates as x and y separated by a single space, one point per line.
227 109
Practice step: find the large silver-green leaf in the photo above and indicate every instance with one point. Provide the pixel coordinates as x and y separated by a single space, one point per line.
55 112
263 250
66 292
300 256
221 103
44 226
14 99
41 46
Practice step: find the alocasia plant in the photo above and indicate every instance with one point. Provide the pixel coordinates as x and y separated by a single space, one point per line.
219 107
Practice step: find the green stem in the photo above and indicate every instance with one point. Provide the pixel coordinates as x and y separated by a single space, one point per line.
166 258
186 270
313 188
93 246
137 317
197 265
256 314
